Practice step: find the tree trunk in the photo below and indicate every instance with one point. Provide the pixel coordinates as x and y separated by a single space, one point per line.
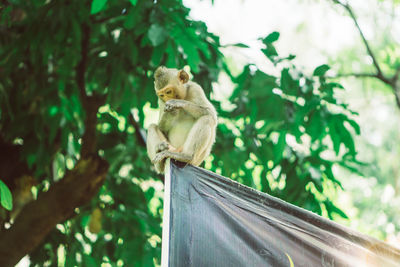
39 217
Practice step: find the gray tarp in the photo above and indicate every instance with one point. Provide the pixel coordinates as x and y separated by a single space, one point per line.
214 221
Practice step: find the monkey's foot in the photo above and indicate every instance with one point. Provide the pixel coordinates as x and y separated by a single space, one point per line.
173 155
160 166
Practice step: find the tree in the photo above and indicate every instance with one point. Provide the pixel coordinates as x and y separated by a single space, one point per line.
60 62
372 84
75 79
390 74
291 129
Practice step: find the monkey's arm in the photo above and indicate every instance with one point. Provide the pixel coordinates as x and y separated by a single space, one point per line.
195 110
156 142
164 121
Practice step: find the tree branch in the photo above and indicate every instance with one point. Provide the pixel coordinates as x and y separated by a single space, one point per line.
81 67
76 188
364 75
367 46
138 131
358 75
393 81
89 138
397 97
39 217
396 76
90 104
106 19
396 86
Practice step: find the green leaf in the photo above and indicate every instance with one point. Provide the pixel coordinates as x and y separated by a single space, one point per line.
331 208
280 147
237 45
321 70
288 84
270 50
130 20
133 2
190 50
157 34
53 110
158 54
335 85
329 175
355 125
85 220
318 185
291 57
241 45
315 127
171 55
262 85
31 159
97 6
5 196
347 139
334 135
89 261
272 37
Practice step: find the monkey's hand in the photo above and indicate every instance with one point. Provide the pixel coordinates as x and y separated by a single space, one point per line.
160 156
162 146
174 104
179 156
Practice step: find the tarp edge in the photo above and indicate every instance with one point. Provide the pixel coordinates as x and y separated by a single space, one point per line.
166 215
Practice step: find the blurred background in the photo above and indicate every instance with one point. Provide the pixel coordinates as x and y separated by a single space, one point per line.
307 92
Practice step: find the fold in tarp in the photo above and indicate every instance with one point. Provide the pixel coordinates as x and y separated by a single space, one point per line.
210 220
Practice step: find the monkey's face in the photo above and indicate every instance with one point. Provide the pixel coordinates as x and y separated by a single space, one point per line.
171 83
167 93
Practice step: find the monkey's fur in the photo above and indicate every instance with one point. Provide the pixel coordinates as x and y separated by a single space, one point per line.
187 120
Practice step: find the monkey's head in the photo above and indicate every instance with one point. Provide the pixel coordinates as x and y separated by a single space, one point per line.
169 83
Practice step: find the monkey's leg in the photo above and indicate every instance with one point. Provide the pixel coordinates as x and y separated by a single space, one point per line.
200 139
161 144
196 146
156 142
154 138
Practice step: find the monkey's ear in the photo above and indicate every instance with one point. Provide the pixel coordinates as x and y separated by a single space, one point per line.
183 76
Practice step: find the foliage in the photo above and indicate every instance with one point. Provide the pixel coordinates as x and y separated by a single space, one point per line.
283 136
290 131
5 196
42 114
376 196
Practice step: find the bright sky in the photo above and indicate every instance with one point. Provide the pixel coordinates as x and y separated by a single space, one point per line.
309 29
313 30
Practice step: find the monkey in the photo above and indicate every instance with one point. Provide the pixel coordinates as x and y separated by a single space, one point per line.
187 122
